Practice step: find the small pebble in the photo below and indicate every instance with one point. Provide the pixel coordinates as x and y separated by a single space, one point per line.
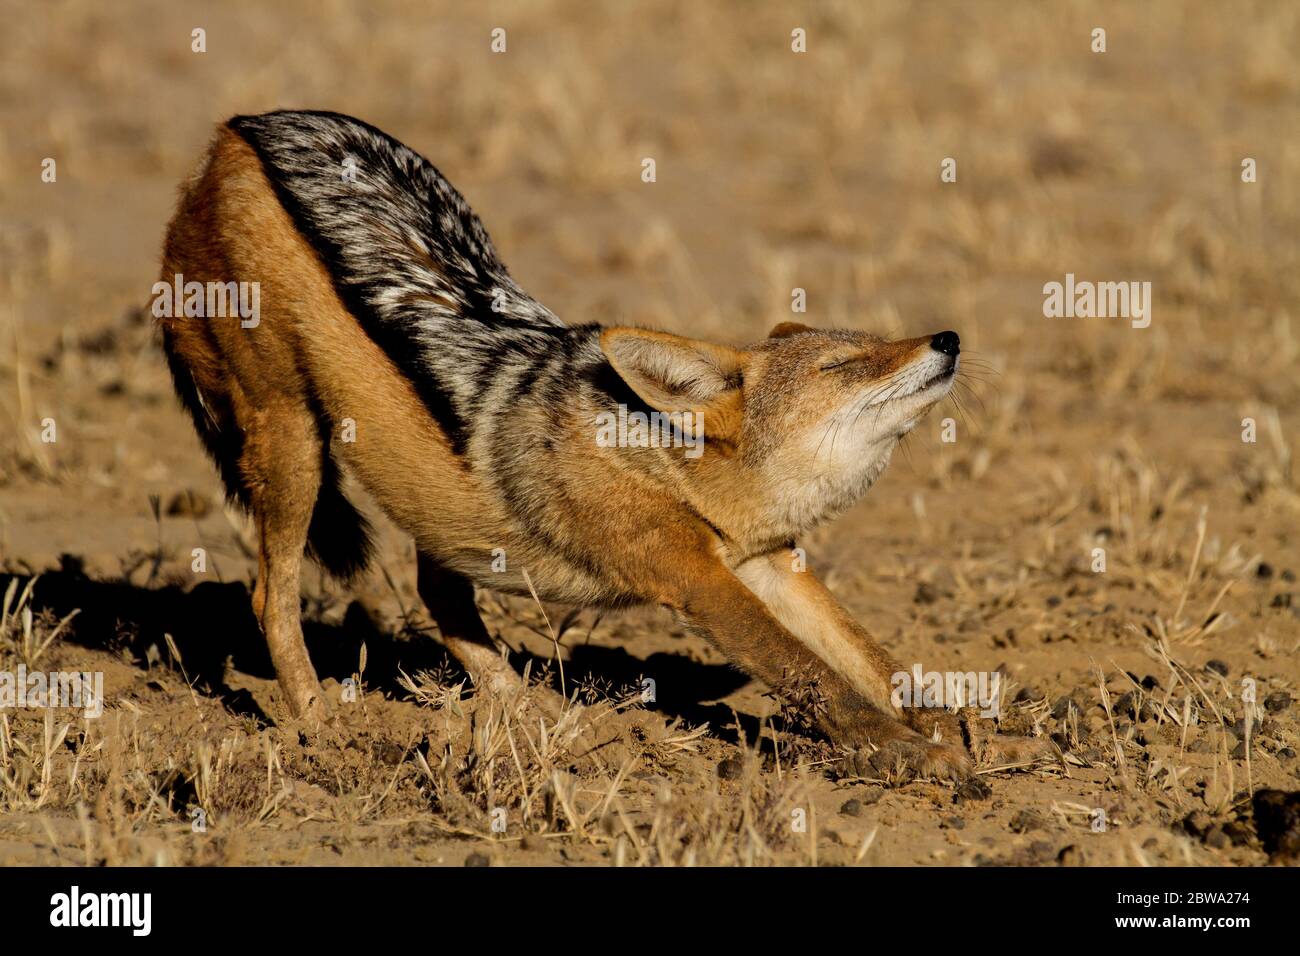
1063 707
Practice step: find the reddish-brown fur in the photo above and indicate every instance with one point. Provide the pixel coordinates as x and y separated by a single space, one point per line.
708 538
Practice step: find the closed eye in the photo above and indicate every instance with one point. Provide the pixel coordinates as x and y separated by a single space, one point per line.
840 363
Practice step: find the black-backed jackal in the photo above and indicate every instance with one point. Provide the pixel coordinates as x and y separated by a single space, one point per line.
484 426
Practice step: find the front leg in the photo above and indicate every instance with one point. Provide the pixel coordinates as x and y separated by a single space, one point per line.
858 713
807 608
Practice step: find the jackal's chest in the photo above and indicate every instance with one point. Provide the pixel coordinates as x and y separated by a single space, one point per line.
817 493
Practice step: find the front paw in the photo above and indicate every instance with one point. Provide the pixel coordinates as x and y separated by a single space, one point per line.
1001 750
979 736
991 748
903 760
887 749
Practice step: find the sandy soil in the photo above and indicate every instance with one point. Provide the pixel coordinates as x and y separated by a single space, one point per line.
775 170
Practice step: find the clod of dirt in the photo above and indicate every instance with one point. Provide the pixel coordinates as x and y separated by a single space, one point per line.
925 593
1040 851
1277 701
387 752
1217 666
1063 707
1126 705
973 788
532 843
871 795
1237 832
1071 855
1195 824
1277 822
953 822
1264 571
1239 728
1217 839
1025 820
730 768
851 808
478 859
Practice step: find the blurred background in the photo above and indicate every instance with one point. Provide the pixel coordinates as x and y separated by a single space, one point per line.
775 170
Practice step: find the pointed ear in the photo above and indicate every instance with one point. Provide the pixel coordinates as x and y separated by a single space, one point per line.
786 329
669 372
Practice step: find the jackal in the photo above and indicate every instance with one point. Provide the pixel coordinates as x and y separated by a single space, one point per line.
393 343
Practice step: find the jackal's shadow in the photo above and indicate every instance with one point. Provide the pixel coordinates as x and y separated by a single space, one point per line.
212 623
682 687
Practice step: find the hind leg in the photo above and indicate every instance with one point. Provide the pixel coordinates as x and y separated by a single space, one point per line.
450 599
281 464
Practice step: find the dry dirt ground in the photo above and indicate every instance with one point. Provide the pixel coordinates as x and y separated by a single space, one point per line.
775 170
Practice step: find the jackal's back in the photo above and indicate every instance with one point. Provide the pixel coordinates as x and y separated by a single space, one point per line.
408 257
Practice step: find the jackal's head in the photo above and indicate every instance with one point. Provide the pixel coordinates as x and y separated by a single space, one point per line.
797 427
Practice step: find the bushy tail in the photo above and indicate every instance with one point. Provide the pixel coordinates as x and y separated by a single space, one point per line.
338 539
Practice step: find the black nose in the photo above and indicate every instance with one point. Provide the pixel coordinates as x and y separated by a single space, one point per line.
946 342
